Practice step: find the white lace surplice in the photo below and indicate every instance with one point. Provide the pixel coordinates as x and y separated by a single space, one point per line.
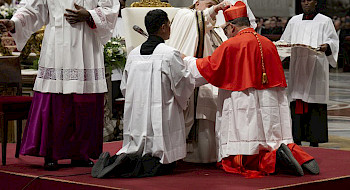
156 89
71 58
309 71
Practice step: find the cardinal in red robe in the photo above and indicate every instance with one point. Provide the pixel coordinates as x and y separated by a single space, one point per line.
253 124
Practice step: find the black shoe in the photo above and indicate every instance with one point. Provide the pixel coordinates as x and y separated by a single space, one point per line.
311 166
113 165
286 161
102 162
51 165
314 144
82 163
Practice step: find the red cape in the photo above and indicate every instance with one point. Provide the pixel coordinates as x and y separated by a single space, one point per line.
236 64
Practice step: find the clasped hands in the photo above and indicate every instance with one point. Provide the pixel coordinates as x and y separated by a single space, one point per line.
72 17
323 47
76 16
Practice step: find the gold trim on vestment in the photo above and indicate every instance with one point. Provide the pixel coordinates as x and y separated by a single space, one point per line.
150 3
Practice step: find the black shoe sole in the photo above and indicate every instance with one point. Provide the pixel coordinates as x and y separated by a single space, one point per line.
100 164
311 167
289 160
105 171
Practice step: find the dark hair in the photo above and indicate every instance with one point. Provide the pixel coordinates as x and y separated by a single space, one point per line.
155 19
242 21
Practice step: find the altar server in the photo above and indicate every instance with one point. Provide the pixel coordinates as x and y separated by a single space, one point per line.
66 116
308 84
156 85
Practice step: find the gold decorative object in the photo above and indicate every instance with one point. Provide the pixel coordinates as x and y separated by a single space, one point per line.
4 51
33 44
150 3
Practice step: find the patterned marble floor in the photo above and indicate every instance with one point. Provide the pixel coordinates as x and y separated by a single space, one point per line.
338 111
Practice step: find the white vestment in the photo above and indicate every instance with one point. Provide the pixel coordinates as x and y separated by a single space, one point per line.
184 37
309 71
118 32
156 89
71 58
119 28
251 120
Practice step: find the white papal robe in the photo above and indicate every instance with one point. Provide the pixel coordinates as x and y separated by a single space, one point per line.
309 71
184 37
156 89
71 58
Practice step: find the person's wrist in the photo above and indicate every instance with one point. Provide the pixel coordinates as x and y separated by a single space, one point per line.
88 16
217 8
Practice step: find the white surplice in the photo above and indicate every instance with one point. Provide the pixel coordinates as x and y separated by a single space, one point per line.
119 30
309 71
71 59
251 120
184 37
156 89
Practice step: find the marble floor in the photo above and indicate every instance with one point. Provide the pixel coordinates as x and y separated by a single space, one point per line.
338 111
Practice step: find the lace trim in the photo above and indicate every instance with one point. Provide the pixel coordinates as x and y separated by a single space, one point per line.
100 14
71 74
20 16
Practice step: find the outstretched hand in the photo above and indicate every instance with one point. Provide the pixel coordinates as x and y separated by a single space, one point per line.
222 6
76 16
6 25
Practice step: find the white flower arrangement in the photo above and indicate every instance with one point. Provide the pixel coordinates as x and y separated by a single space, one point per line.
115 53
7 11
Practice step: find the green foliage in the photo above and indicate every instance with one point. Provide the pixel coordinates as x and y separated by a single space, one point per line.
115 54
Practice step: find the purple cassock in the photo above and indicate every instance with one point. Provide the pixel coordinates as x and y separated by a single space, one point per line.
64 126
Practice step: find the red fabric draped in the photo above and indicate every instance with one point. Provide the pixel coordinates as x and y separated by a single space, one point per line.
301 107
236 65
264 163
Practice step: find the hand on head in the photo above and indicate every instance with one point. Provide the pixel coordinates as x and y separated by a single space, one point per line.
76 16
6 25
222 6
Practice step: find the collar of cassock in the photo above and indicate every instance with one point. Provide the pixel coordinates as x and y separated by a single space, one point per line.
310 16
152 42
249 29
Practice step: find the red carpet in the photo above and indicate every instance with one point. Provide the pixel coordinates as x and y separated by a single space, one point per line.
334 165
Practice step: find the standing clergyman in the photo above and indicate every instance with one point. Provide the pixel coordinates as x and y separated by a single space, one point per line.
308 84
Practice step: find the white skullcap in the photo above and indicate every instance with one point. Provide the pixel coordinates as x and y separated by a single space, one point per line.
195 1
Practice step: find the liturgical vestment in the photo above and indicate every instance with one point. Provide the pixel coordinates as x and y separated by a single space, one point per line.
156 88
308 84
309 71
71 58
66 116
185 37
